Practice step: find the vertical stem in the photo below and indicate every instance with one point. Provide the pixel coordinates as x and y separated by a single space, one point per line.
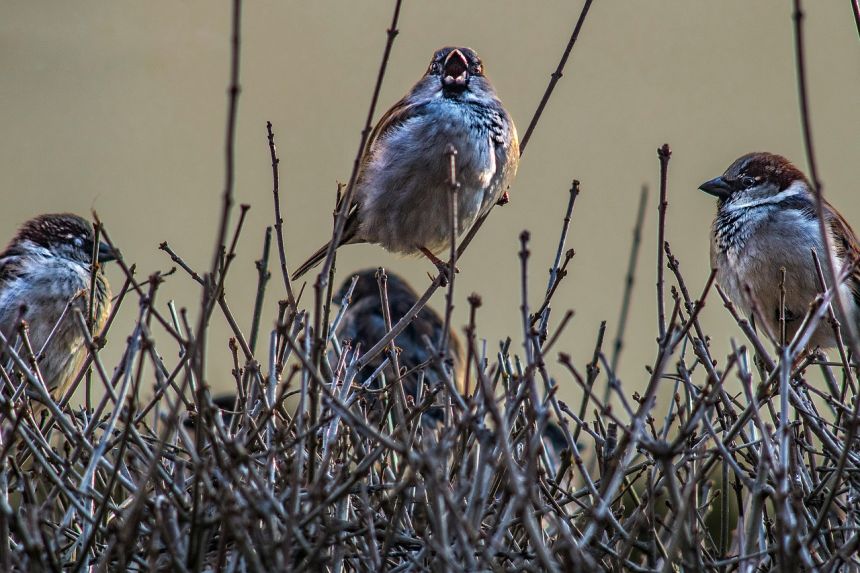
453 199
230 137
263 276
340 221
629 280
818 187
279 220
562 240
663 153
555 76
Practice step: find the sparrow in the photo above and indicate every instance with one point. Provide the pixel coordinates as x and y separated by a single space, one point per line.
225 406
555 443
46 271
363 324
401 194
766 220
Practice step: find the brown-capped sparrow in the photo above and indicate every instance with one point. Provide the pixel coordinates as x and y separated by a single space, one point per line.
401 193
45 272
363 323
766 220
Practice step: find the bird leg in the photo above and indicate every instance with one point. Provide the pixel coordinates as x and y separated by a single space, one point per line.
440 264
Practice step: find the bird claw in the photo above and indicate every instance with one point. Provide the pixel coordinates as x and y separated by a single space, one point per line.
444 272
443 267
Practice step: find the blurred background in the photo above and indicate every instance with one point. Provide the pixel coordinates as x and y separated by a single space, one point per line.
120 107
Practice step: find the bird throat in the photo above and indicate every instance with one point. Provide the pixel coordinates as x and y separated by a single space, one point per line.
733 228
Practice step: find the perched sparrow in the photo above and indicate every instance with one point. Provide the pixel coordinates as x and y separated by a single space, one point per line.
44 268
555 443
766 220
225 405
401 196
363 323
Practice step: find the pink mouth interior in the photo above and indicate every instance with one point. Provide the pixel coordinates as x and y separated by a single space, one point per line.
455 69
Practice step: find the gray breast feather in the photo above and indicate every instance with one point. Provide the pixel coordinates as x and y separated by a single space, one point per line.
403 191
40 293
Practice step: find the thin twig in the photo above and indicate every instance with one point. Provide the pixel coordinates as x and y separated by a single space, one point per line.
554 77
629 279
279 220
663 153
346 202
817 186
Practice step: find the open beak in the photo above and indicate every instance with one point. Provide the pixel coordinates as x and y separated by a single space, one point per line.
456 71
718 187
106 253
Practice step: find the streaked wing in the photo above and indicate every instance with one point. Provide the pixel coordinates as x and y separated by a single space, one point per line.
395 116
10 268
846 246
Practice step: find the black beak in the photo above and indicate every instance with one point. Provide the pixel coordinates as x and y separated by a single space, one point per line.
456 71
106 253
718 187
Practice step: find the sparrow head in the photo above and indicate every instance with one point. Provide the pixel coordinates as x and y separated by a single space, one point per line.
453 67
455 73
61 235
757 179
367 287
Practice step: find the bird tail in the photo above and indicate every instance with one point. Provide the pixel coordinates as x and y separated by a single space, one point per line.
350 231
313 261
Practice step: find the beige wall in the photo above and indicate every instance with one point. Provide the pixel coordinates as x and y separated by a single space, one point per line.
120 106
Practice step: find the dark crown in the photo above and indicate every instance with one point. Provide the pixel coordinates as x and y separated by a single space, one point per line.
763 166
49 230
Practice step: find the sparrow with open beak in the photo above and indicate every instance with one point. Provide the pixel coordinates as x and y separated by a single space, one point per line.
401 193
766 220
45 272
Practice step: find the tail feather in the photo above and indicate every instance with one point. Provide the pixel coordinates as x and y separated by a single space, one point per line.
313 261
350 235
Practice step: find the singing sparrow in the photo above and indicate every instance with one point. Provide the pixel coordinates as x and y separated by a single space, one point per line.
46 268
363 323
766 220
401 196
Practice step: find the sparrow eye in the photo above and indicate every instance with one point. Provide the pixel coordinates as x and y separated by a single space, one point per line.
435 68
477 69
747 182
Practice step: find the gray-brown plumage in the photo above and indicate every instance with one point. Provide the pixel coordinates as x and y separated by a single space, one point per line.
46 268
402 190
766 220
363 323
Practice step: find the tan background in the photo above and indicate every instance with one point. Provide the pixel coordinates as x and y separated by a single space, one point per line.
120 106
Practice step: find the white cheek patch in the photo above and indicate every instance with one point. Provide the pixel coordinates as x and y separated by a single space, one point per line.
796 188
